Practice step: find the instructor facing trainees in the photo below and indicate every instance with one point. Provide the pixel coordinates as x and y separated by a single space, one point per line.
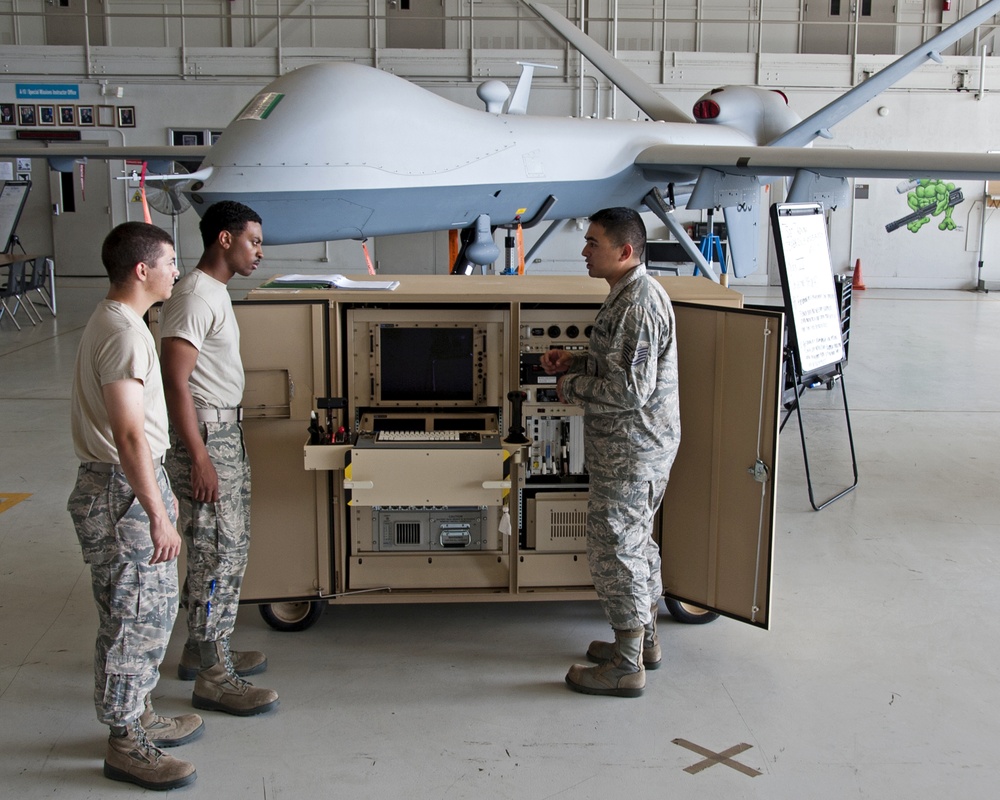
208 465
627 386
124 511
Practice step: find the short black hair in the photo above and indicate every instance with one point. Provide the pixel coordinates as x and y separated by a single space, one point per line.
623 226
130 243
226 215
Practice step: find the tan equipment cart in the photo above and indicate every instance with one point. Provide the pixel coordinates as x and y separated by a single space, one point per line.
420 494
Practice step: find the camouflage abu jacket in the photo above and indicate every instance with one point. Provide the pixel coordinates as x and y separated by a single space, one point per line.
627 384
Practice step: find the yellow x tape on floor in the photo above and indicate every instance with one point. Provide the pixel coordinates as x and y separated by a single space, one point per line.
9 500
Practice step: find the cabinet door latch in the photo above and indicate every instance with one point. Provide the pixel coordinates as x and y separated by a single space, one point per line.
759 471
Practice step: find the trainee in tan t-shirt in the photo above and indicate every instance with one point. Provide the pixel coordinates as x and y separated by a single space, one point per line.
116 345
200 311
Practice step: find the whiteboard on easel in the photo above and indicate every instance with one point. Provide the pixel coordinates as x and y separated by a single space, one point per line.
815 330
12 197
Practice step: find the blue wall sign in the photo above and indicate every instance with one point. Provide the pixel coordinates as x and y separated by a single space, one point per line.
48 91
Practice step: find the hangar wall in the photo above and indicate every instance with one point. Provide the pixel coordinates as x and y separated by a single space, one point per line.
194 87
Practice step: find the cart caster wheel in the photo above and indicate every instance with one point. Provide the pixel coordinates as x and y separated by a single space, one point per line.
689 614
292 616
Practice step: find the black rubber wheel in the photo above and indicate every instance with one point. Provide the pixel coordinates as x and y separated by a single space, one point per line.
292 616
689 614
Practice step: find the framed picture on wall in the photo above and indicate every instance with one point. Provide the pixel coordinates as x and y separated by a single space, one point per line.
180 137
126 116
85 115
106 116
25 114
6 113
187 138
46 115
67 115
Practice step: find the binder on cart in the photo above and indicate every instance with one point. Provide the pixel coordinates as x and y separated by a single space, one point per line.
815 349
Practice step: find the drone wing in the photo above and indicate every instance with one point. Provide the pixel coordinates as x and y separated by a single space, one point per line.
62 156
832 162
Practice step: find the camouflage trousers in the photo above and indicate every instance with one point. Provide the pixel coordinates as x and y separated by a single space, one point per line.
217 535
624 559
136 600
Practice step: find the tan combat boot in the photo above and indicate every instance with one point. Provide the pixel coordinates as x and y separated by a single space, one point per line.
170 731
245 662
621 676
219 688
652 657
133 759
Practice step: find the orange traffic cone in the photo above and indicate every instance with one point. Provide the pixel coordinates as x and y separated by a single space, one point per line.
857 282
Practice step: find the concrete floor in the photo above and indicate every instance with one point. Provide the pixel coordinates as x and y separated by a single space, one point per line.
878 678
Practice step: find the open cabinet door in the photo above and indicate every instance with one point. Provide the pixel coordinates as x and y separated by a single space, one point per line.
717 523
284 350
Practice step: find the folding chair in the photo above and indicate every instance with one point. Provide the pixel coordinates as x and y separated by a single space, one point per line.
42 281
14 290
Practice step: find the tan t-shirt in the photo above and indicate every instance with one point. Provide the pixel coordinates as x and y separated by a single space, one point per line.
116 345
199 311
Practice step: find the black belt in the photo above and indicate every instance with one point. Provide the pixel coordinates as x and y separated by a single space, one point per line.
219 414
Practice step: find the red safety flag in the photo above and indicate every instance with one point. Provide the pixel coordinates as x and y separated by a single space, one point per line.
520 249
368 259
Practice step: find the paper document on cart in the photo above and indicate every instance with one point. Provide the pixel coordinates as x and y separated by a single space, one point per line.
337 281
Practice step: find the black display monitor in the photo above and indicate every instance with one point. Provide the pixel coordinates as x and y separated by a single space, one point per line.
404 359
426 365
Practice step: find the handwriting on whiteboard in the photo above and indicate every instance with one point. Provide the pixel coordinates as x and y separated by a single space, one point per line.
811 292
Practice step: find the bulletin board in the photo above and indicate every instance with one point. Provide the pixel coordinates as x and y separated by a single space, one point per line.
814 331
13 194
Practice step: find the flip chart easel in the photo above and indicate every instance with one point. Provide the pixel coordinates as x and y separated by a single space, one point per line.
815 349
13 195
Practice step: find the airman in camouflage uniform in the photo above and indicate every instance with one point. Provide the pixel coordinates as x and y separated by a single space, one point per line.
218 534
124 512
208 463
627 386
131 648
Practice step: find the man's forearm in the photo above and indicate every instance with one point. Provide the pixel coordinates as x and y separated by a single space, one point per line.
184 418
137 464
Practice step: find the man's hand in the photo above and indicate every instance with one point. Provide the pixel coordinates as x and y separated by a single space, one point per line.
555 361
204 480
166 541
